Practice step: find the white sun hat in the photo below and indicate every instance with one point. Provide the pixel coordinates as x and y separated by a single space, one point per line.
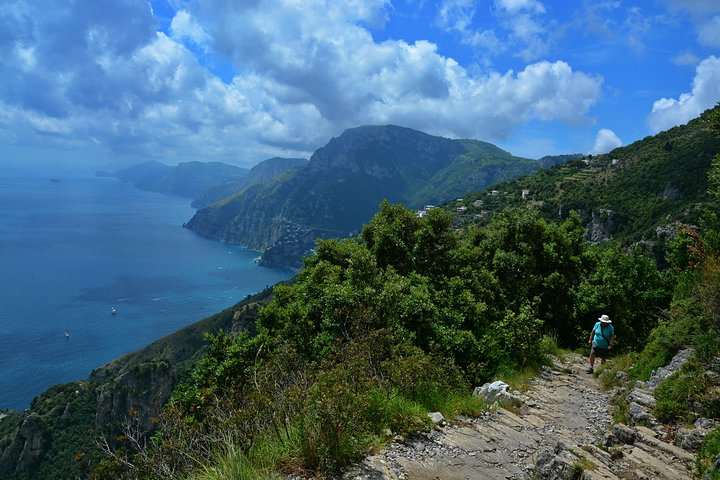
605 319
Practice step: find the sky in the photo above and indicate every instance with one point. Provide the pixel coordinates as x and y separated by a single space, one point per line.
100 82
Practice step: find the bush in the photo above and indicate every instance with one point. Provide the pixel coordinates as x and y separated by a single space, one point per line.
706 459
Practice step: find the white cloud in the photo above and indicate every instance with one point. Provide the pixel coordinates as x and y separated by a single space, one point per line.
669 112
184 26
694 6
515 6
709 33
526 25
704 14
520 27
685 58
338 69
304 72
606 140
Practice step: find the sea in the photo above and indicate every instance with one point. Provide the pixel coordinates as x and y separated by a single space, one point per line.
75 246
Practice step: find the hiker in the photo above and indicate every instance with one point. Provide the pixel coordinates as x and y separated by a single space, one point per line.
602 337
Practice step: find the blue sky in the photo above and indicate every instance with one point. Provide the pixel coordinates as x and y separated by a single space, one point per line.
122 81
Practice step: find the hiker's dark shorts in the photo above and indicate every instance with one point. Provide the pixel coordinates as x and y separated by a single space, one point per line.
600 352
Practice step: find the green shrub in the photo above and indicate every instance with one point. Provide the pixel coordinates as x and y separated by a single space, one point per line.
667 410
707 455
549 344
387 409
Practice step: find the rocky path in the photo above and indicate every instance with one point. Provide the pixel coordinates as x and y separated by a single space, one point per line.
562 430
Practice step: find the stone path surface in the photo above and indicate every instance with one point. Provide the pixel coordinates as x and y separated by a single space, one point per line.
562 431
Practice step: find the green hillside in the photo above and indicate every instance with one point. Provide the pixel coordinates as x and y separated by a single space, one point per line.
630 191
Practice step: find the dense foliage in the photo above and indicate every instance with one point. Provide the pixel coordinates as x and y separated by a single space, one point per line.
377 329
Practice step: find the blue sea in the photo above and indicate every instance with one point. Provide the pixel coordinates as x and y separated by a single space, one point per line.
75 246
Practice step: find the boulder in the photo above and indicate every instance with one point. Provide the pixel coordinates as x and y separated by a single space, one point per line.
640 415
497 392
557 464
437 418
690 439
641 397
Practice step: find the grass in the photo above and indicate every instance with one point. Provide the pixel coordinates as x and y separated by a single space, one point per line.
385 411
612 374
520 379
689 386
261 462
582 465
456 404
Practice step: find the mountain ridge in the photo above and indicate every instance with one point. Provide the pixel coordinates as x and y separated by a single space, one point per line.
187 179
343 183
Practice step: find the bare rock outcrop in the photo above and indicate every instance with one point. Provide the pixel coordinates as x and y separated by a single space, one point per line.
139 392
27 448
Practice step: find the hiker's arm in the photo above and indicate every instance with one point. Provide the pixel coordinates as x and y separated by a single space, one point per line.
612 340
592 334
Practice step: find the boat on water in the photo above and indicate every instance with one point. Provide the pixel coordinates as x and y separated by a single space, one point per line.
67 334
113 311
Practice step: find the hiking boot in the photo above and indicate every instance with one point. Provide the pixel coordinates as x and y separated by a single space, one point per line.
589 370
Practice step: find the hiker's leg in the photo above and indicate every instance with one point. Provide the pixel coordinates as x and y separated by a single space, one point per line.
592 359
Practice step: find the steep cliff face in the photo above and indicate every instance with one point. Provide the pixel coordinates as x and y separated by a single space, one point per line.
343 184
27 448
139 392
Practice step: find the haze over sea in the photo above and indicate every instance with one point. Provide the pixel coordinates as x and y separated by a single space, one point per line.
72 247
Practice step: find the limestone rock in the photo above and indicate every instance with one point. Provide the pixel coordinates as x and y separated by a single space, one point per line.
642 397
245 319
142 391
640 415
690 439
36 438
27 448
497 392
601 226
623 434
676 364
555 466
437 418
